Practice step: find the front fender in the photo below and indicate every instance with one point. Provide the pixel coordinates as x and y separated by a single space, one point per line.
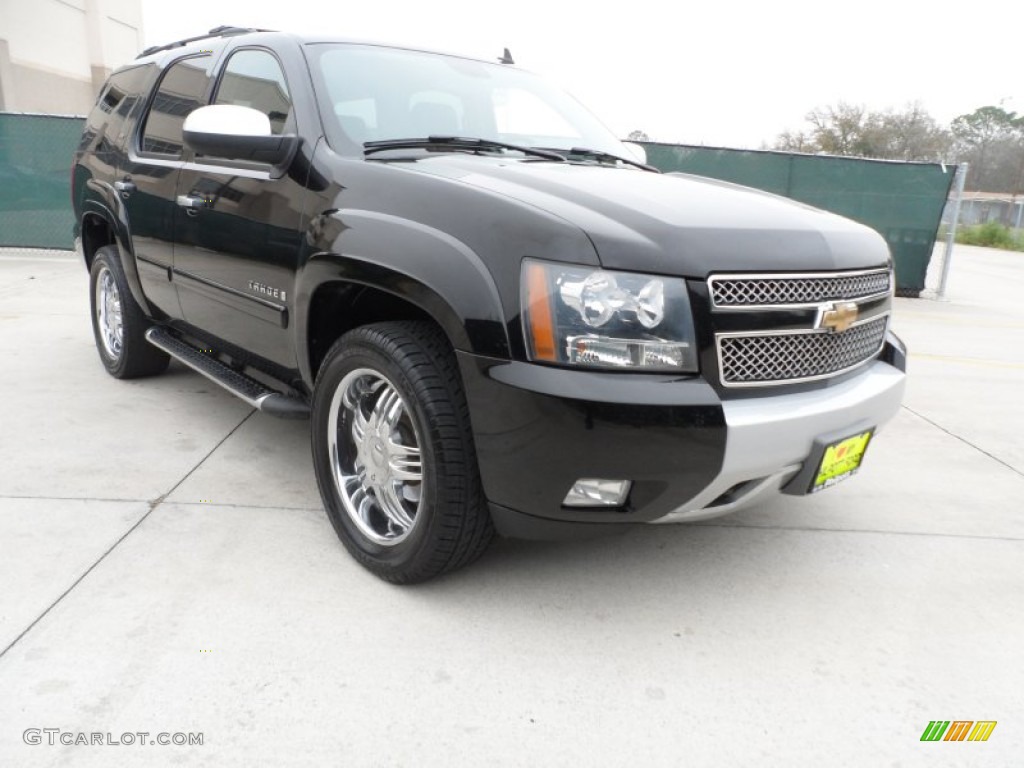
422 265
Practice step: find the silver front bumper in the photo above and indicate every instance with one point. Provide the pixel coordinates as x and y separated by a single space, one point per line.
769 438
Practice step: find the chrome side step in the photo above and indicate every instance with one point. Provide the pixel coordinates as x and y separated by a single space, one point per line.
248 389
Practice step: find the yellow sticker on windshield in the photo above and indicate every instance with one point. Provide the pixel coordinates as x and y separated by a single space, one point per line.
841 460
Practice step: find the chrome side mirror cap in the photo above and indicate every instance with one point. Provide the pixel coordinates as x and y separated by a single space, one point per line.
237 133
228 120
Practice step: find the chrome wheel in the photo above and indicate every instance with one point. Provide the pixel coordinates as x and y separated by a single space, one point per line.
375 456
108 313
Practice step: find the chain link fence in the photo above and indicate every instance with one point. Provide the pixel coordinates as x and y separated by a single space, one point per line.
939 267
35 184
901 201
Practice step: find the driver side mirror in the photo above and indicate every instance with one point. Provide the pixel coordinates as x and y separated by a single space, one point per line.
237 133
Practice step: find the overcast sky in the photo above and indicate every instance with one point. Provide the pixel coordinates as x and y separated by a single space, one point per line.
717 73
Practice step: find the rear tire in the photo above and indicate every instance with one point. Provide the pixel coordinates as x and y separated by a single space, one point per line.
394 455
118 322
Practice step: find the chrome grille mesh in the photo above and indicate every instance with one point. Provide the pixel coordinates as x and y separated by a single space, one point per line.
766 290
772 358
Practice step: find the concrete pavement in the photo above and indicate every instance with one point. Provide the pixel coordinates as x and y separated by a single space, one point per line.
165 567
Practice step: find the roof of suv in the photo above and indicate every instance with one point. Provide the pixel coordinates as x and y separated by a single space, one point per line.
222 33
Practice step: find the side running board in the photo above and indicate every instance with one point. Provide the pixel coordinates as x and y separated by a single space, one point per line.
248 389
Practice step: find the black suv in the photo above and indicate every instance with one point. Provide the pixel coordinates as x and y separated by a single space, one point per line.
495 314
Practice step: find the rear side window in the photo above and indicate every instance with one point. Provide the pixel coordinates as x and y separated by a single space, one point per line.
181 90
116 101
253 78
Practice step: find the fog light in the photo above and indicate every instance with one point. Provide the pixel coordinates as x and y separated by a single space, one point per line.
594 492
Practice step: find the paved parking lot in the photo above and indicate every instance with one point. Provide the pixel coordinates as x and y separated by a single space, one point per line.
165 567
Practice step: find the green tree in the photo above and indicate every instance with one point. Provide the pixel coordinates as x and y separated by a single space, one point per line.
991 139
983 126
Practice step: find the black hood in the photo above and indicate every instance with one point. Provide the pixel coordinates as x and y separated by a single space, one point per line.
673 223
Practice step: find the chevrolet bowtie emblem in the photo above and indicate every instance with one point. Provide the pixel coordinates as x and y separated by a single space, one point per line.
841 316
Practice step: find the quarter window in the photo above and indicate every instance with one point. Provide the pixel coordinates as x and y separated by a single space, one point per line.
123 91
254 79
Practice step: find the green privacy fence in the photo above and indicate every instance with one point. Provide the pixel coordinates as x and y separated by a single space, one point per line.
35 181
901 201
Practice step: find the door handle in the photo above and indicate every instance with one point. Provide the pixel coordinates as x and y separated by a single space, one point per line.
192 202
125 187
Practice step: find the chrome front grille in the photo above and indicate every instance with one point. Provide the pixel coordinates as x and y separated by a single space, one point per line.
777 291
760 358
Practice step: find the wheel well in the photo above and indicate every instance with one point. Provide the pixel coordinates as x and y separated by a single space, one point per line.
96 233
337 308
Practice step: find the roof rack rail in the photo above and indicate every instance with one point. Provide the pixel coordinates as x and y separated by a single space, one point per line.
222 31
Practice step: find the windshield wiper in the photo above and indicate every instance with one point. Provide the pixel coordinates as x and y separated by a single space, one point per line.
600 154
457 142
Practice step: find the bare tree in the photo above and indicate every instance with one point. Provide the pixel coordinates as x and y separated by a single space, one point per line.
795 141
853 130
842 129
912 134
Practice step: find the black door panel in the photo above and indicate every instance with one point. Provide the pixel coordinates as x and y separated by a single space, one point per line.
150 215
149 176
274 314
160 291
236 256
237 224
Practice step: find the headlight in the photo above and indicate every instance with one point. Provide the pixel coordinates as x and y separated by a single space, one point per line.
603 319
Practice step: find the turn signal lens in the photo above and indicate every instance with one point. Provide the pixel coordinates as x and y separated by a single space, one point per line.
538 303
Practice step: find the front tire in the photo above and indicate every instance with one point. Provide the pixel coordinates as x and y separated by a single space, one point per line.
393 453
118 322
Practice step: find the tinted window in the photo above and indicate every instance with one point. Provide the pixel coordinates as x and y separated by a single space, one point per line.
118 97
180 91
254 79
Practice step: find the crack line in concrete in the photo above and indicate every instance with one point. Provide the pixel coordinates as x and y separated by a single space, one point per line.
228 504
152 506
21 497
964 440
808 529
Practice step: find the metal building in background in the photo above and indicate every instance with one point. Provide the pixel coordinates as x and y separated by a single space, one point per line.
1001 207
55 54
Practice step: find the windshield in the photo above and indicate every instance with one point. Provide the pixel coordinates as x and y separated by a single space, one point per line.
372 93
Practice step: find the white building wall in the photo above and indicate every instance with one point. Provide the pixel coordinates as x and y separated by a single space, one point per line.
55 54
